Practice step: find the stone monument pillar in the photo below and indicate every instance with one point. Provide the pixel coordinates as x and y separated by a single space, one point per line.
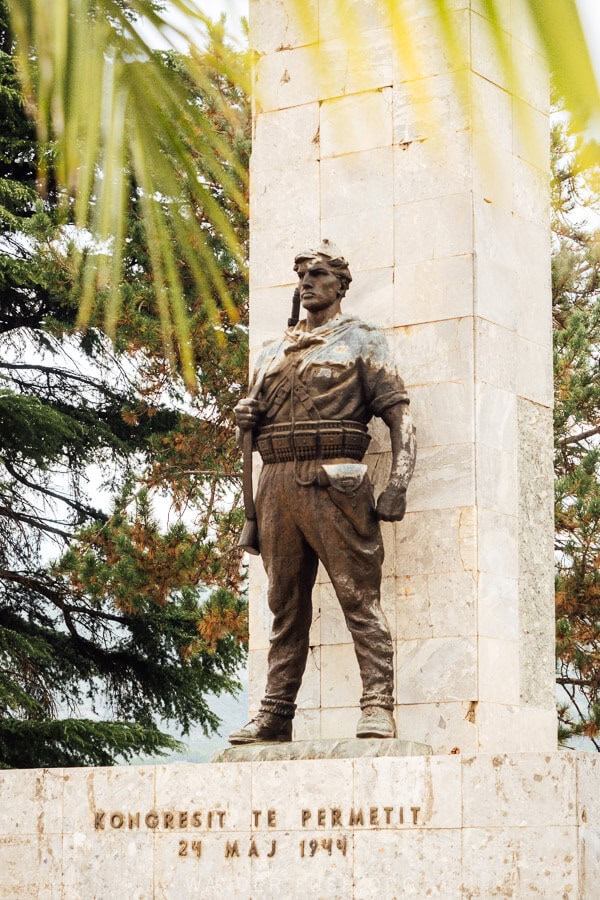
441 208
433 182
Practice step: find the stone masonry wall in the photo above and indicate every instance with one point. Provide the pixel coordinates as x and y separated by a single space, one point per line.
365 829
436 189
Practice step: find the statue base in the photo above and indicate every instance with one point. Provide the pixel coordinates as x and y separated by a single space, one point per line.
381 827
352 748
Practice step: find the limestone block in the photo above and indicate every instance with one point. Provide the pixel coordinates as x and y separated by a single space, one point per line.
366 236
435 351
284 137
498 605
534 373
94 864
533 80
371 296
496 278
588 789
436 541
257 678
269 312
443 413
531 199
307 724
501 11
430 48
531 136
492 173
115 790
497 543
416 9
219 788
259 613
499 728
589 859
31 865
195 875
536 554
443 477
434 864
436 606
364 179
424 171
358 122
496 355
434 289
333 874
491 109
496 476
36 802
433 784
498 671
520 862
339 722
446 727
340 678
524 26
536 790
497 302
309 695
487 49
433 229
272 253
363 65
359 15
538 729
274 202
496 417
534 322
275 25
290 786
224 861
287 78
436 670
431 109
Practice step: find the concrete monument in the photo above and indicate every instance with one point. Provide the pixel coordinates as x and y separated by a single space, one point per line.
436 187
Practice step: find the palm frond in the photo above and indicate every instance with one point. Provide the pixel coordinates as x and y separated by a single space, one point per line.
111 108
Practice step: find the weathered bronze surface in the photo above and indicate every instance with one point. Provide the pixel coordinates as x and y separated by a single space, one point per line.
311 397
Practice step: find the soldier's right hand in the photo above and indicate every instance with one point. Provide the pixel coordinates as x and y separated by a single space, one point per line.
248 413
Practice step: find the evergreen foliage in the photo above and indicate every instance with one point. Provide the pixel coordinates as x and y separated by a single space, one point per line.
114 616
576 318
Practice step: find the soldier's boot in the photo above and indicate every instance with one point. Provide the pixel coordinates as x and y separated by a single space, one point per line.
264 727
376 722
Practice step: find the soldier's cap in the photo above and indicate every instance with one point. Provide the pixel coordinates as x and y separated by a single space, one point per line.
331 253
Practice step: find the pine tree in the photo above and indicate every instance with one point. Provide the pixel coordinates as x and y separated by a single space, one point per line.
576 316
105 610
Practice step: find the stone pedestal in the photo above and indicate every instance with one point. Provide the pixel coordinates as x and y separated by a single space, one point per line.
440 202
520 826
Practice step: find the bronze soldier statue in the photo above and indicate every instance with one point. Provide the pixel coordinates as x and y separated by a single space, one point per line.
312 395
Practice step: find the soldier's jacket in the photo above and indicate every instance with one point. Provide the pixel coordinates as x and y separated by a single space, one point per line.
344 370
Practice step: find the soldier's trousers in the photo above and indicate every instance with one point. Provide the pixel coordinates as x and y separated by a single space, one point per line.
298 526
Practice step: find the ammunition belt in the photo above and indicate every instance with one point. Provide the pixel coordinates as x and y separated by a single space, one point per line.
323 439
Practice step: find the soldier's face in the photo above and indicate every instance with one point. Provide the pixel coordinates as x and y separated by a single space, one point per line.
319 287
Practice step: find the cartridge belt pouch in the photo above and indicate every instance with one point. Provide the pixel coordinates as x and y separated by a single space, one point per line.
322 439
350 490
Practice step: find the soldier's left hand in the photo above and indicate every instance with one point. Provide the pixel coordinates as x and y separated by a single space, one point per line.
391 504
